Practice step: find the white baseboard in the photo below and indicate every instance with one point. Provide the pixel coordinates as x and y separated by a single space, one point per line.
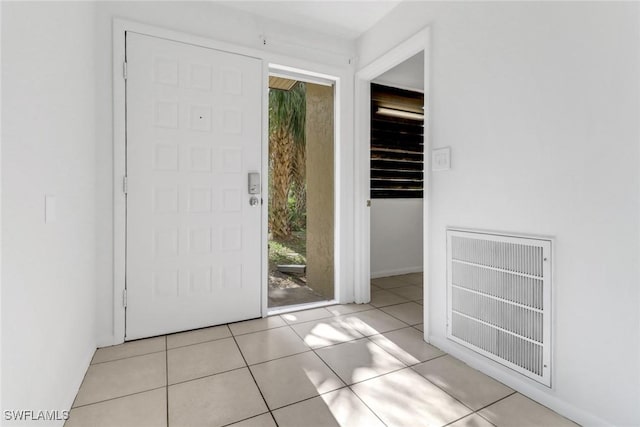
525 386
395 272
107 341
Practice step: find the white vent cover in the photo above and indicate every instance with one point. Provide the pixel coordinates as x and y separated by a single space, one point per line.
499 299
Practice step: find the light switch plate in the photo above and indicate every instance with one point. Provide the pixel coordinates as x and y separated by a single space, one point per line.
441 159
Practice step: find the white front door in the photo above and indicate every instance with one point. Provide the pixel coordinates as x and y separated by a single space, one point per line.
193 136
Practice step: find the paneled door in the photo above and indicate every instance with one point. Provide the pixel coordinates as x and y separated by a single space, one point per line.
193 230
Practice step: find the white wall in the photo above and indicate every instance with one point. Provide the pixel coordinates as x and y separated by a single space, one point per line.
396 236
317 52
540 104
48 147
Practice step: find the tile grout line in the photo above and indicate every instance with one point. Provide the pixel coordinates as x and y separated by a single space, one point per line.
246 419
231 335
253 377
314 350
166 346
473 411
366 406
415 327
426 379
308 398
128 357
407 299
348 386
259 330
119 397
370 308
79 388
491 404
397 303
280 357
273 417
477 411
311 350
209 375
198 343
397 318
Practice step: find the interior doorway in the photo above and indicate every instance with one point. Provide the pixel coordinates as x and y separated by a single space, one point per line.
397 185
420 42
301 207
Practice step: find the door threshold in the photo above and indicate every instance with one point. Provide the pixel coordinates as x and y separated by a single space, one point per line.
298 307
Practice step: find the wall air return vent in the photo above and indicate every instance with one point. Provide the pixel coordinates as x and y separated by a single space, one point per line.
499 299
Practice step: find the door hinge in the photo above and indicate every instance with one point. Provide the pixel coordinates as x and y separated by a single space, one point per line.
124 298
124 70
125 185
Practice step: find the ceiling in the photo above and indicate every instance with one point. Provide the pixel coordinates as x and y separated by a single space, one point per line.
348 19
406 75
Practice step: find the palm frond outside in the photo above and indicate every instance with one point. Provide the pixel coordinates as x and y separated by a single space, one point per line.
287 113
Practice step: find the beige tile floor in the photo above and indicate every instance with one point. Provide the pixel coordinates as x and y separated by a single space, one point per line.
350 365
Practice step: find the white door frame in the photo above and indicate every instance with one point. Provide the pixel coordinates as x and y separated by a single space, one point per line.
335 82
344 156
400 53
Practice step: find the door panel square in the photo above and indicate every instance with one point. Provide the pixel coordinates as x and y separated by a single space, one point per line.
232 81
166 115
165 243
165 71
200 118
200 281
200 200
165 284
231 239
200 241
200 159
232 200
165 200
232 276
165 157
232 160
200 77
232 121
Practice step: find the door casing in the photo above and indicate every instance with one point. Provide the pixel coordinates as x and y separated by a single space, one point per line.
324 80
400 53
